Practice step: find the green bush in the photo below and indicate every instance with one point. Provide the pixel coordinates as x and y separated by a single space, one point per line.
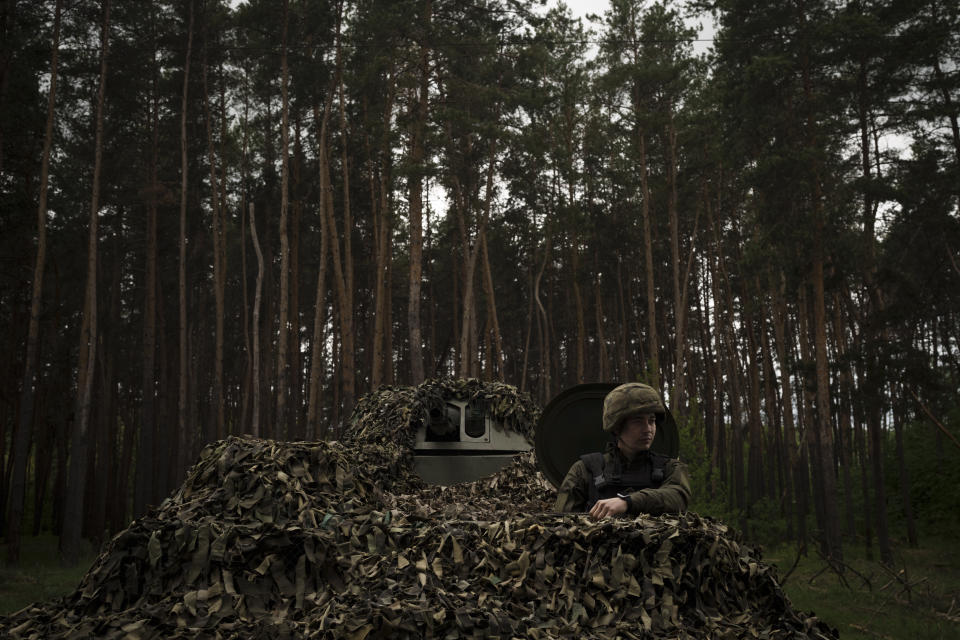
709 497
933 462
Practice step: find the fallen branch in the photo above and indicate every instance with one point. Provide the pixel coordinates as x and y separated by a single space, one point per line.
802 549
837 567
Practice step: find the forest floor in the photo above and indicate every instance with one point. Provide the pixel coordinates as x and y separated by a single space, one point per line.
918 598
39 576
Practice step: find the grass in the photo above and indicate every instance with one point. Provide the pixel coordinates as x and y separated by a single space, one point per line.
919 597
39 576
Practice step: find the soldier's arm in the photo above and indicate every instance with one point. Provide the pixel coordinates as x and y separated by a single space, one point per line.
572 496
671 497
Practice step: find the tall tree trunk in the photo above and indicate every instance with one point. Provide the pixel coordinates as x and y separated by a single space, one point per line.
808 419
581 338
653 342
343 268
382 215
257 297
904 471
831 522
623 340
247 390
295 413
76 485
602 356
679 304
492 319
221 284
21 444
183 436
844 431
281 426
755 468
543 325
823 456
217 233
471 253
417 157
106 454
529 333
145 474
732 361
314 407
774 469
42 470
780 333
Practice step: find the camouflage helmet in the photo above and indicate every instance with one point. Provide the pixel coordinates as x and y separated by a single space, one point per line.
629 400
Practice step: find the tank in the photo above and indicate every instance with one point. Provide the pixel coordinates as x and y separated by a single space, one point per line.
572 425
463 442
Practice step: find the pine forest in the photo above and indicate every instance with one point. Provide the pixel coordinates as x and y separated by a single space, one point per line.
223 218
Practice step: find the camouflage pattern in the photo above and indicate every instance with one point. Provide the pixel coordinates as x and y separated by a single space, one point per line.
670 497
628 400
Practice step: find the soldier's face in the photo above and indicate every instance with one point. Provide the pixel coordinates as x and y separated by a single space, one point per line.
638 431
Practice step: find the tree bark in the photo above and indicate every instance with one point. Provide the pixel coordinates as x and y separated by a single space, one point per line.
791 480
755 468
381 212
144 483
492 319
76 485
679 303
578 310
831 523
417 157
318 345
281 427
904 471
217 233
543 325
257 297
343 268
21 444
183 436
603 371
247 390
844 443
295 415
653 341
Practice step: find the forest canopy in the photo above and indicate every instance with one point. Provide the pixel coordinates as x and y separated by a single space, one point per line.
237 218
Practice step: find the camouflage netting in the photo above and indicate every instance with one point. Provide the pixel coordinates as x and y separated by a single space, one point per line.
392 414
334 540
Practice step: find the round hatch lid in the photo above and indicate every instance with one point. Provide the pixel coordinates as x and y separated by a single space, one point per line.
572 425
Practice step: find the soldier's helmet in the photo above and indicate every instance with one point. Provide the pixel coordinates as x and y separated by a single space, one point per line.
628 400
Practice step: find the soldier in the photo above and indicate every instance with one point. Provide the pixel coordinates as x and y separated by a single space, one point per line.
627 478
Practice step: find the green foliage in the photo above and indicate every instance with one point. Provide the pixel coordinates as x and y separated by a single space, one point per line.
765 523
933 462
710 497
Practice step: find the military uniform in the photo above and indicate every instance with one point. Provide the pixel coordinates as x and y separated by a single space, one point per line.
668 495
649 482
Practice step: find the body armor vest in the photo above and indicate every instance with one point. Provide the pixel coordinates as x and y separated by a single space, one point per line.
607 481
